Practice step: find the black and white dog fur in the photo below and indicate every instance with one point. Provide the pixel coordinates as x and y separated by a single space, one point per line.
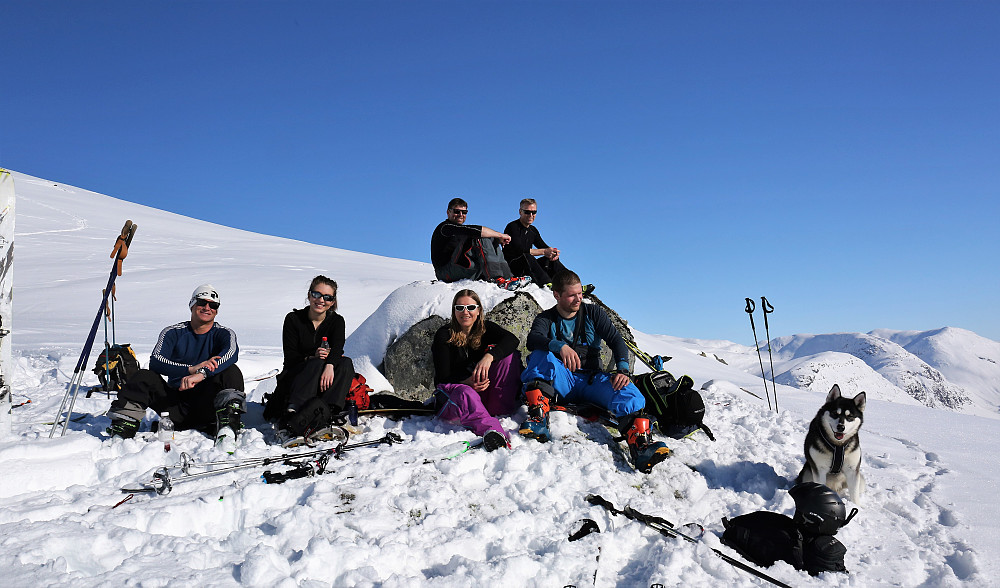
833 450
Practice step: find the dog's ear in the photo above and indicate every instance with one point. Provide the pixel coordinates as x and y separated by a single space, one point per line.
834 393
859 401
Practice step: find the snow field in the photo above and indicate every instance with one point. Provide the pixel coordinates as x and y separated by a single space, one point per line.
383 517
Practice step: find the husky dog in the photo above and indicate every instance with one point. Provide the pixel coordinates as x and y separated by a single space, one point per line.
833 451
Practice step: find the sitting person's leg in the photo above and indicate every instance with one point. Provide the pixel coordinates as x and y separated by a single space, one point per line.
305 385
550 267
546 367
343 374
598 390
458 403
143 390
505 384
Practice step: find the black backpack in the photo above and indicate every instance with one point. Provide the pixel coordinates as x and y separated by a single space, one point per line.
677 406
115 366
767 537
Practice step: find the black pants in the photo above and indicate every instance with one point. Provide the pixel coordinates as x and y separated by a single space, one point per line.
541 269
305 385
189 409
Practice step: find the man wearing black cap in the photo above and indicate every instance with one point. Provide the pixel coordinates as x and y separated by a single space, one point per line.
204 387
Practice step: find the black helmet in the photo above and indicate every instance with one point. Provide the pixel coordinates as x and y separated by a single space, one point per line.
819 509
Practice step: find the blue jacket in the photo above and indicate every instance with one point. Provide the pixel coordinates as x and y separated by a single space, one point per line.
179 348
584 332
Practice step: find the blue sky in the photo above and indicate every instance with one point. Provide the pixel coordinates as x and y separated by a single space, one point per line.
840 158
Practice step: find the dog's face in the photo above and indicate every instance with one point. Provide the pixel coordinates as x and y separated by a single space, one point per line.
840 417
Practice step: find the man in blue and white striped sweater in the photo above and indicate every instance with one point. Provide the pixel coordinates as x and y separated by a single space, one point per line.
204 387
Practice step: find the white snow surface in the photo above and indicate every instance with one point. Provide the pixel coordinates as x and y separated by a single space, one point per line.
381 516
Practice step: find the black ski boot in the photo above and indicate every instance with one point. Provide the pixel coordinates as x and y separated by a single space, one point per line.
493 440
123 426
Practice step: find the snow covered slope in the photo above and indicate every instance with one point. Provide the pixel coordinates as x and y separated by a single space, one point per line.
385 517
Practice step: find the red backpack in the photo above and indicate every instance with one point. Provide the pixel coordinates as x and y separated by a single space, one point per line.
359 391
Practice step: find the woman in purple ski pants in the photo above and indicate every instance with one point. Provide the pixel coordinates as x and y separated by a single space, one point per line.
477 369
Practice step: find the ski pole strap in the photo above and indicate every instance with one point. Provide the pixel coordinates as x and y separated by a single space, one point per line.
765 306
750 308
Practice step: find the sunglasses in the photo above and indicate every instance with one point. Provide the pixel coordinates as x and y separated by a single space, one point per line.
460 211
325 297
464 307
531 212
208 303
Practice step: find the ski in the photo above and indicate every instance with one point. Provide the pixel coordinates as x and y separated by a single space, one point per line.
333 433
665 527
653 362
453 450
165 478
262 377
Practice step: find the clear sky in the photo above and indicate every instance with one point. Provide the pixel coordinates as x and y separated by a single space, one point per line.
840 158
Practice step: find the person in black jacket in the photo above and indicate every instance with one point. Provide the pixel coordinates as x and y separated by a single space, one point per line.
527 254
312 372
477 370
452 241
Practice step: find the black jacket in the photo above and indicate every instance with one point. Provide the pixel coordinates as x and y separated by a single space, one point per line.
522 240
453 364
299 340
450 240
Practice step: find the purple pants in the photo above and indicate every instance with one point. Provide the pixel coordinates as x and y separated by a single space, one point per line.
459 403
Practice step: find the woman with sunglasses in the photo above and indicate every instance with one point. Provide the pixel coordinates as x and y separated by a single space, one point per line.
314 376
477 370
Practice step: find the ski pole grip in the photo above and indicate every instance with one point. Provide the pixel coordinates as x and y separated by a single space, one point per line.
765 305
750 306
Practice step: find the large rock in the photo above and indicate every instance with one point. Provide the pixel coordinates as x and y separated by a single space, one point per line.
516 315
408 364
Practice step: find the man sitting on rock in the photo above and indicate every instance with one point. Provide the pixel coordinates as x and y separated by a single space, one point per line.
527 253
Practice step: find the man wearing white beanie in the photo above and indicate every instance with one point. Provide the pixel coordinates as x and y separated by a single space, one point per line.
204 387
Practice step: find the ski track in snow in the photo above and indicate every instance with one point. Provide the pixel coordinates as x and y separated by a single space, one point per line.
383 517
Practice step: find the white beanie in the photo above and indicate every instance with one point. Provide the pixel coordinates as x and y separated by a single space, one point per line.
204 292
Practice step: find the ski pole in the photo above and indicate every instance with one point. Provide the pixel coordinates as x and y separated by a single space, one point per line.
118 253
665 527
768 309
749 310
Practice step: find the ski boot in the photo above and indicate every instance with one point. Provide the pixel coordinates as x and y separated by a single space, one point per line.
494 440
122 426
227 423
537 424
515 283
645 452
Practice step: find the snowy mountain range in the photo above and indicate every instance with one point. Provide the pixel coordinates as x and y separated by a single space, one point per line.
384 517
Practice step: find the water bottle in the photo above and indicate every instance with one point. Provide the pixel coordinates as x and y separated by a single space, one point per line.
166 431
324 344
